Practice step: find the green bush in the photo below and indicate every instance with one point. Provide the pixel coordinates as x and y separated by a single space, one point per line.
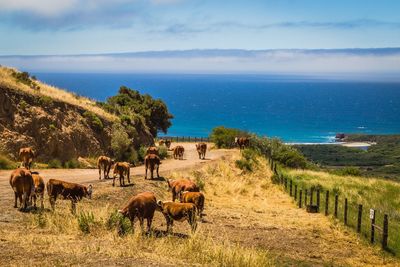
45 100
116 220
86 222
163 152
72 164
121 145
6 163
224 137
54 164
248 161
353 171
93 120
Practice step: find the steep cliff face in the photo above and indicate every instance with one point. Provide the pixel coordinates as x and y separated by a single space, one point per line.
53 127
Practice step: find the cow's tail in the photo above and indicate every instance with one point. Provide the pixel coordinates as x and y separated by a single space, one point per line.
49 188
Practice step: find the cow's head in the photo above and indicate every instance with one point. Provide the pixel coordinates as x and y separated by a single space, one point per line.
89 191
159 205
236 140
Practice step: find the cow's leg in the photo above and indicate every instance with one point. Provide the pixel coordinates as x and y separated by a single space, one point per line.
141 220
149 221
73 207
152 172
129 172
41 200
15 200
34 197
25 201
145 176
158 166
99 172
192 221
173 195
53 202
20 199
114 180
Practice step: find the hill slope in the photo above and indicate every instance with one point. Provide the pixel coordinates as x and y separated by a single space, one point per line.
56 123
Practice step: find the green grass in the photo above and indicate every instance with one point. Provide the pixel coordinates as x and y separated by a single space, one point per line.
6 163
378 194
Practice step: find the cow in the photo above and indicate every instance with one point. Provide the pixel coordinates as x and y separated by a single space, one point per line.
197 198
201 150
21 182
121 169
104 164
178 152
242 142
72 191
152 161
181 185
39 185
178 212
152 150
166 143
26 155
141 206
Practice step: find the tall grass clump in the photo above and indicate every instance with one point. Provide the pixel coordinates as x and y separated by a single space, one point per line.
6 163
86 221
248 161
119 222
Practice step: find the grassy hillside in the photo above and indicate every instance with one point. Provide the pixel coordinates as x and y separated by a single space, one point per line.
9 79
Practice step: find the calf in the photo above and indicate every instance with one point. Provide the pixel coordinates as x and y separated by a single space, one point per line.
141 206
178 212
26 155
168 143
201 150
104 164
121 169
197 198
21 182
38 183
178 186
178 152
152 161
72 191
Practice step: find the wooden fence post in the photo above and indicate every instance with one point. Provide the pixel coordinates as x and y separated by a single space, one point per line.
311 195
359 219
345 211
189 138
183 139
285 183
385 234
373 228
318 199
327 203
300 198
295 192
305 197
336 204
290 187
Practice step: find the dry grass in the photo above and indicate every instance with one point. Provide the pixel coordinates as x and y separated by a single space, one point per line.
7 80
248 222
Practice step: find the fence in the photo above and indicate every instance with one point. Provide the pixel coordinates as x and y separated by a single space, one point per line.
184 138
370 223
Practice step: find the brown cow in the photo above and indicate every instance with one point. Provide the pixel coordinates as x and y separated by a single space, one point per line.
72 191
141 206
152 150
104 164
197 198
166 143
26 155
152 162
178 152
242 142
21 182
38 183
178 212
201 149
121 169
178 186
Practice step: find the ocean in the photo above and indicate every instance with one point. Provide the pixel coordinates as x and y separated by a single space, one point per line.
292 108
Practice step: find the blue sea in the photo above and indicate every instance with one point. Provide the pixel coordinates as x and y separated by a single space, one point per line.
295 109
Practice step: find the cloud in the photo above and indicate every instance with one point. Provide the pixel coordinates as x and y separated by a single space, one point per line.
380 64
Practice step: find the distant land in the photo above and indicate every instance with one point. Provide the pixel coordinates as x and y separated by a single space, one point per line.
352 63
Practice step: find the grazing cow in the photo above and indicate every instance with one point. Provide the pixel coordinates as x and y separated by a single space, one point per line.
141 206
104 164
178 186
121 169
152 150
38 183
197 198
26 155
178 212
72 191
201 149
242 142
152 161
21 182
178 152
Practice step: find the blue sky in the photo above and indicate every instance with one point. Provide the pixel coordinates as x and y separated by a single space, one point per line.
97 27
31 27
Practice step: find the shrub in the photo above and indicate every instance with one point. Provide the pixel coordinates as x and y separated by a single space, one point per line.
121 145
116 220
72 164
86 221
225 137
163 152
353 171
54 164
94 121
45 101
6 163
248 160
23 105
